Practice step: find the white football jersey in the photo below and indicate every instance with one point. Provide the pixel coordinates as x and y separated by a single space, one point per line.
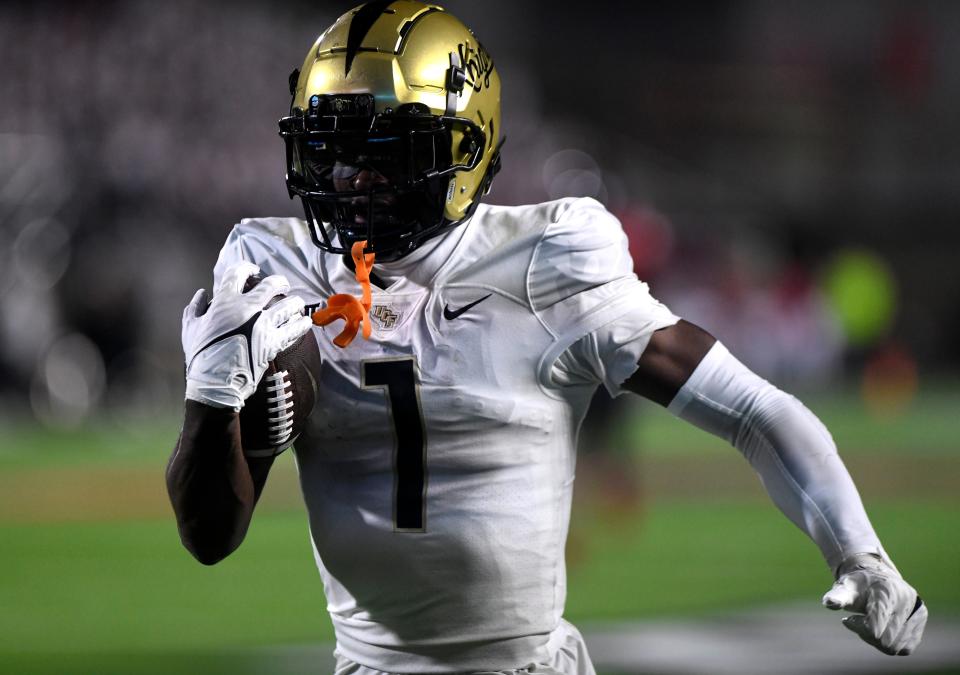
438 465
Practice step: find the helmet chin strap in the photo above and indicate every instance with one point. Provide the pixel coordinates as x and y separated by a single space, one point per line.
456 77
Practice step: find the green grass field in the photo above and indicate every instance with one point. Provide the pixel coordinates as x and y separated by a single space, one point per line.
93 578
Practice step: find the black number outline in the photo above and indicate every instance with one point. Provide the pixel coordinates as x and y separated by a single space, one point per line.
399 379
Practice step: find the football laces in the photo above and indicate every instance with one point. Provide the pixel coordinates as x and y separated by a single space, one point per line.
279 408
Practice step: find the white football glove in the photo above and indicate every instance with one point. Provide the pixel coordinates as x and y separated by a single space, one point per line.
888 612
229 343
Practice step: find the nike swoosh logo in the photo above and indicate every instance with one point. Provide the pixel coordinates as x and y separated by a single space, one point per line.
451 314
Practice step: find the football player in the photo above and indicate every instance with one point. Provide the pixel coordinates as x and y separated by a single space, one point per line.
438 465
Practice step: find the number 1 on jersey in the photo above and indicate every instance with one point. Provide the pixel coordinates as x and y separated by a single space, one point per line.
399 378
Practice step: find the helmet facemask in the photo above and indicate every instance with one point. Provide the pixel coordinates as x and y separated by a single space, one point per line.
382 177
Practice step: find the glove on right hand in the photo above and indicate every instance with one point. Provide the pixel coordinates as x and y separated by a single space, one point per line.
229 341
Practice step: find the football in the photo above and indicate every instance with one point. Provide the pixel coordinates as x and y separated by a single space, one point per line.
276 413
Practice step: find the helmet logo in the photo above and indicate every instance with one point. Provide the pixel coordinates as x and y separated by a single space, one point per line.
451 188
477 63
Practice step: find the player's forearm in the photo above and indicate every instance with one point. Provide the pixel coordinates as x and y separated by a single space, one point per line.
788 447
798 463
209 483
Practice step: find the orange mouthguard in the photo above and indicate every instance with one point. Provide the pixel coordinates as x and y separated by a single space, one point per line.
352 310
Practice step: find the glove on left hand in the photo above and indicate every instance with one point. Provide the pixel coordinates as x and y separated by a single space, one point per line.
888 612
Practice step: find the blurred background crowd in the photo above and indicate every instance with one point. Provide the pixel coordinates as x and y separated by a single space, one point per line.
787 173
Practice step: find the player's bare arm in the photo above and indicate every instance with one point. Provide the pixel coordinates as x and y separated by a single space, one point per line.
671 356
228 342
685 369
213 487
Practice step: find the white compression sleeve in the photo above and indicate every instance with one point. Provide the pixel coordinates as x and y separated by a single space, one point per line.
787 446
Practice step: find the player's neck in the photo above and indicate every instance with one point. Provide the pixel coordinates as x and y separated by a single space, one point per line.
422 264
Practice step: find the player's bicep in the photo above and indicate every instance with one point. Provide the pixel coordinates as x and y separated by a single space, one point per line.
669 359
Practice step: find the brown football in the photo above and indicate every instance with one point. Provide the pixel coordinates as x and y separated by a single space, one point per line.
276 413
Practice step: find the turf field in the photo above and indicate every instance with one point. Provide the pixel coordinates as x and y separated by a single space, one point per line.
94 579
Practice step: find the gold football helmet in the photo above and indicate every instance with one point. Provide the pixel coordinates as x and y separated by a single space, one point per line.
392 135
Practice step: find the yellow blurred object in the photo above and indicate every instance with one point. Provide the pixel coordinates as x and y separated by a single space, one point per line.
863 292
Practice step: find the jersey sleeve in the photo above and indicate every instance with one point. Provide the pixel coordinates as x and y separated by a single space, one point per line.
582 287
234 250
277 245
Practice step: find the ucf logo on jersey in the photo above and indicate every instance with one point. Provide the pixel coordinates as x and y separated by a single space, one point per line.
386 317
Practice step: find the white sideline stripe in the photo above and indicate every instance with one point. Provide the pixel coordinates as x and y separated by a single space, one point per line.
791 639
786 640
